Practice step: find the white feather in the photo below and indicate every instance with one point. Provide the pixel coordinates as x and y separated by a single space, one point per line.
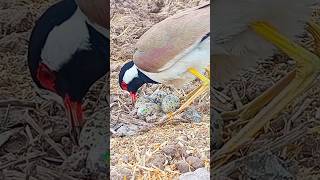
64 40
130 74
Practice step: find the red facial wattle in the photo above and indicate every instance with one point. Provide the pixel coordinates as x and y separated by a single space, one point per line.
124 86
46 77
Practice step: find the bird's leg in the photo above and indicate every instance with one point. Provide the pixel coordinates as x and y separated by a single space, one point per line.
254 106
205 79
308 66
74 114
196 92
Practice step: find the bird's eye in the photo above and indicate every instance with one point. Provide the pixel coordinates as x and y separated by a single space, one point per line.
124 85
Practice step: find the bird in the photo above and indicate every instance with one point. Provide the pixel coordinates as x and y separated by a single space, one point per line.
68 52
172 52
247 32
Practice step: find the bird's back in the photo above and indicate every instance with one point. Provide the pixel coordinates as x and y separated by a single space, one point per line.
168 41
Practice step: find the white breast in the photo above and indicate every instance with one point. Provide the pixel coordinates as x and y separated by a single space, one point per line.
64 40
198 58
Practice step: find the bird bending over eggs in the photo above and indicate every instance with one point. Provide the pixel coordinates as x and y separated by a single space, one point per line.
68 52
173 52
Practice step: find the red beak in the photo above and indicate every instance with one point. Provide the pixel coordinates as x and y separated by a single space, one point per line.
134 97
75 116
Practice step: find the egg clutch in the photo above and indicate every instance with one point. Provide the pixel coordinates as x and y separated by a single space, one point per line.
151 107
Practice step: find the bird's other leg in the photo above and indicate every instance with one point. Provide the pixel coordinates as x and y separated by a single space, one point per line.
266 31
205 84
75 116
308 66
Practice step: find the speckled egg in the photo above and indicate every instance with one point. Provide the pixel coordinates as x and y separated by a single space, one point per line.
141 101
148 109
170 103
157 96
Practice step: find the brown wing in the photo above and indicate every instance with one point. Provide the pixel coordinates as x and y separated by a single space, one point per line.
96 11
161 45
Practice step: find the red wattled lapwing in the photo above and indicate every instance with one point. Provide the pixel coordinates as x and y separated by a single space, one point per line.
68 52
173 51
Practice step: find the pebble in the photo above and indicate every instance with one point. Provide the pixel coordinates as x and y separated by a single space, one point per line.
192 115
174 151
127 130
157 161
169 150
195 162
119 173
170 103
199 174
182 166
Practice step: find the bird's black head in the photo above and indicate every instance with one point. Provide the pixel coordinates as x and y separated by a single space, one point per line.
131 79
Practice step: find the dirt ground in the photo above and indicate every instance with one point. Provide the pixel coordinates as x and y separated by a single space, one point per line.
151 152
35 142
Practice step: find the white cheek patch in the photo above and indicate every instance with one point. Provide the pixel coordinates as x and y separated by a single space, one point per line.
130 74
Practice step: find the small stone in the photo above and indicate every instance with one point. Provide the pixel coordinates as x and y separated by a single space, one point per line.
122 130
192 115
127 130
157 96
147 110
119 173
169 150
199 174
170 103
157 161
182 166
195 162
174 151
